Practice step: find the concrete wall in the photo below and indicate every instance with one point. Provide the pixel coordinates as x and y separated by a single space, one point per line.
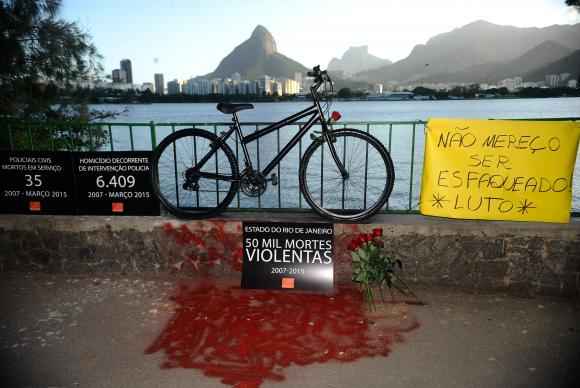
524 258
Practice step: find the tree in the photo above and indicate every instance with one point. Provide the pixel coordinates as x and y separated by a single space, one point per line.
38 49
573 3
423 91
42 53
344 93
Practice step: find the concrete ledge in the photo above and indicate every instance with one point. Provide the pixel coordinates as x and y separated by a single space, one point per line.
524 258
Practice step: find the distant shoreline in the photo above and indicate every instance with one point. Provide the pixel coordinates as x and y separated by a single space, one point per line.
302 100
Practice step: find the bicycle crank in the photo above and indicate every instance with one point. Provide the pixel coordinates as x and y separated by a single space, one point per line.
253 183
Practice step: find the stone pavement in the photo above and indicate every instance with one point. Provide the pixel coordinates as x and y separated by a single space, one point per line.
92 331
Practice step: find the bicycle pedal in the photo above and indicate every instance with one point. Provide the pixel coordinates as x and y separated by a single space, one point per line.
273 179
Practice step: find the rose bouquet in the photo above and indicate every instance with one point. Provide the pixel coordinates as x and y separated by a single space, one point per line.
373 268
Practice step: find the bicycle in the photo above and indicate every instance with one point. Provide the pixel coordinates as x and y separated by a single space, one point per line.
351 185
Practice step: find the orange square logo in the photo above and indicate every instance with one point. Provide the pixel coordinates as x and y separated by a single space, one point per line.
34 206
287 282
118 207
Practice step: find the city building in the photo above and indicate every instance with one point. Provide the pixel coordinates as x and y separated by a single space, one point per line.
123 86
253 87
217 86
511 84
276 88
552 80
300 79
159 84
573 84
378 88
119 76
173 87
126 67
204 87
265 83
564 77
290 86
244 87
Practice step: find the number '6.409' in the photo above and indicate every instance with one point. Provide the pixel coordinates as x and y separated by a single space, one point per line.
115 181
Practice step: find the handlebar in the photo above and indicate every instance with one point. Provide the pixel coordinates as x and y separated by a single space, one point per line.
315 71
319 75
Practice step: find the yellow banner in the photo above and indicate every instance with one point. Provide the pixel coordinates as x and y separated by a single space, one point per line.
499 169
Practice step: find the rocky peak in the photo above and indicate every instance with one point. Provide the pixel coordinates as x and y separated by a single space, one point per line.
356 51
265 39
256 57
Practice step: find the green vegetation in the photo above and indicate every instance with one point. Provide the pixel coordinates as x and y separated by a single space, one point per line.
373 268
473 91
574 3
348 93
42 54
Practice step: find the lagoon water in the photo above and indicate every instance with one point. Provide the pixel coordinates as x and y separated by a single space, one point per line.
400 140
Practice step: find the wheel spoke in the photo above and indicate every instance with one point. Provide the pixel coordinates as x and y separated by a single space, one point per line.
216 180
369 171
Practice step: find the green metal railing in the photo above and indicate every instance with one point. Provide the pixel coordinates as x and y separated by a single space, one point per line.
406 150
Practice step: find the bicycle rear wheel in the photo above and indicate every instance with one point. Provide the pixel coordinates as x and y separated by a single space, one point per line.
178 153
370 180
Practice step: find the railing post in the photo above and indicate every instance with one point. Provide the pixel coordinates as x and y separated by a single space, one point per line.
279 178
112 147
411 172
258 162
299 161
175 169
153 135
131 137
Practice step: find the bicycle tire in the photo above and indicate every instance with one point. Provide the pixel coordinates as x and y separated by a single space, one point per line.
313 165
168 186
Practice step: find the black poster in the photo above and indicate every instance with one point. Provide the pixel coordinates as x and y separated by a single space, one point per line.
288 256
115 183
36 182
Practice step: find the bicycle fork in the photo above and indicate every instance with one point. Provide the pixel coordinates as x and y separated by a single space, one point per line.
328 138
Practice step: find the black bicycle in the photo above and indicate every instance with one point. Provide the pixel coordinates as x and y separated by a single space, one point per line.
345 174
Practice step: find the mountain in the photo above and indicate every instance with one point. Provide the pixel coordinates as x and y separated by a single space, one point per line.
539 56
355 60
477 43
255 57
569 64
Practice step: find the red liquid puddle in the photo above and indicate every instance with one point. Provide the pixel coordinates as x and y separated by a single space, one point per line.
244 337
207 248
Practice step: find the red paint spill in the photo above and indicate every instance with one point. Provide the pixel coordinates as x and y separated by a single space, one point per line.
207 248
244 337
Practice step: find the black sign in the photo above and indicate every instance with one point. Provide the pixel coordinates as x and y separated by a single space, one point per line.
117 183
36 182
288 256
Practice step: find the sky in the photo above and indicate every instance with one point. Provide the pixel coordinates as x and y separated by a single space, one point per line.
185 38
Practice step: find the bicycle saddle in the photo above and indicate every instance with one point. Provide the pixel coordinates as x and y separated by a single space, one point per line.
232 108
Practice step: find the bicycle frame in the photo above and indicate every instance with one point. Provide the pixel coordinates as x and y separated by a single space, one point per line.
313 118
315 114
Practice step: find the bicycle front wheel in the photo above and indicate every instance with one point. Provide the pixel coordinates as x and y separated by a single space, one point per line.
211 191
366 188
